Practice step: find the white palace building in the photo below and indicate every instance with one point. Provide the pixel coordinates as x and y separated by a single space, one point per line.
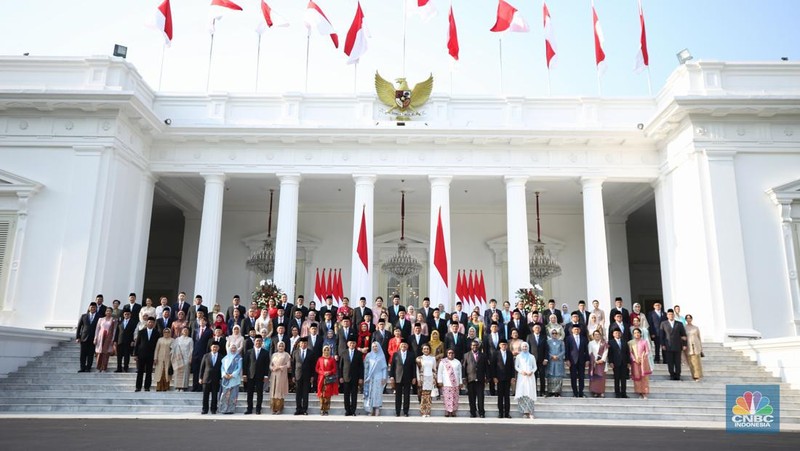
691 197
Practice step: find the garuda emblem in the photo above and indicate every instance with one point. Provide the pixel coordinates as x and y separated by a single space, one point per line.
402 99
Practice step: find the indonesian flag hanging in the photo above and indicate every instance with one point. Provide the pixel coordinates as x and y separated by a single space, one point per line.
642 58
424 8
452 36
270 19
482 292
318 292
330 289
356 43
361 281
339 294
219 8
459 297
549 37
509 19
163 21
599 54
473 299
315 19
440 288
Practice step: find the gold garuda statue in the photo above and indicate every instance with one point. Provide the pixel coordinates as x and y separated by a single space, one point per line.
402 99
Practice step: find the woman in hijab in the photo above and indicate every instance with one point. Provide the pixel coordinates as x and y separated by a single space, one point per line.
179 324
565 313
279 380
364 339
599 313
264 324
375 371
236 339
426 378
448 377
306 327
475 323
220 322
555 365
327 382
637 312
182 348
641 323
593 325
553 325
694 348
162 360
640 363
598 353
437 346
147 311
231 379
330 339
104 339
525 392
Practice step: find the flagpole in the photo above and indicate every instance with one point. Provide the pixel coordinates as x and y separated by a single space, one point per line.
308 44
649 82
161 71
258 60
548 82
405 19
599 84
500 44
210 52
355 78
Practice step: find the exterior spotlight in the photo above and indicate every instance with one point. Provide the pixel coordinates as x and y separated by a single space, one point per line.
684 56
168 121
640 126
120 50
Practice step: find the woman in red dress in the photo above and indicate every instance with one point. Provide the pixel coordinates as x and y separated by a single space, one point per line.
327 380
394 343
364 341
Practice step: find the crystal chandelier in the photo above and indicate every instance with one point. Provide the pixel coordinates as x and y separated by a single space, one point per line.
402 265
543 265
262 261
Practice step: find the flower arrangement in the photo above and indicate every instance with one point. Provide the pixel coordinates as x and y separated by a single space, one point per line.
531 300
265 291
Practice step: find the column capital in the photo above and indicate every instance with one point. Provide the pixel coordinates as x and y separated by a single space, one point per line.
440 180
720 154
214 177
289 178
588 182
365 179
515 180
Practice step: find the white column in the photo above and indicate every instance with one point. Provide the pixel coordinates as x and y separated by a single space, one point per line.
519 271
144 213
665 239
440 293
207 273
619 267
594 231
9 300
286 237
785 211
361 277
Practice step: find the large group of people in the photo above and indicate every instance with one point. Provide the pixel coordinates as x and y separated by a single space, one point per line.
286 348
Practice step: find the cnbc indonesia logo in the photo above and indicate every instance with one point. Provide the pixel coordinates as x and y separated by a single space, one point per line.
752 411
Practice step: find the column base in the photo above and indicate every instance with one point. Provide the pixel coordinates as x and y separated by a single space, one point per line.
741 334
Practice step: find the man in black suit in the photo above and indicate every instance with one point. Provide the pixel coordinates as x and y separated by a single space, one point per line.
280 336
576 349
673 342
351 376
654 319
165 322
402 374
618 308
416 340
145 354
491 344
328 307
435 322
552 310
520 324
281 319
327 323
403 324
210 375
249 322
537 344
426 309
87 325
255 373
395 309
575 321
235 305
583 314
463 318
503 375
201 337
288 308
303 362
298 305
180 306
456 341
346 333
618 324
297 321
133 307
360 311
101 309
197 307
126 334
382 337
487 315
619 357
219 338
475 368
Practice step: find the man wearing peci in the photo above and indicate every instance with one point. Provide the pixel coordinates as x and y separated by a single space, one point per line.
210 376
87 326
145 354
351 376
303 363
402 375
255 374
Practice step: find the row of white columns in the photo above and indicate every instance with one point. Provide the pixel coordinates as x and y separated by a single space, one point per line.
597 274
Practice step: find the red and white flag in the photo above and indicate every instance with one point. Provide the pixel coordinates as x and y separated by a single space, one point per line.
549 37
440 287
329 288
425 9
356 43
269 18
219 8
315 19
361 282
162 21
599 54
318 294
459 296
452 36
482 292
642 57
509 19
339 294
473 301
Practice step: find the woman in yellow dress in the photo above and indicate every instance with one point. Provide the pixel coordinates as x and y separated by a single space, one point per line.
163 359
694 348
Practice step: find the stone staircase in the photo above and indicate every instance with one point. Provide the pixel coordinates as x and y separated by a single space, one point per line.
51 384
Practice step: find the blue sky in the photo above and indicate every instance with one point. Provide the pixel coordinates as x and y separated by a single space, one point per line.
727 30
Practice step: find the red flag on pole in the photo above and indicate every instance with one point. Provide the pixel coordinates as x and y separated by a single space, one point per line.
356 43
471 292
318 290
271 19
452 36
339 286
329 287
549 37
440 286
459 288
163 21
509 19
599 39
362 240
482 291
440 257
218 10
642 57
317 20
